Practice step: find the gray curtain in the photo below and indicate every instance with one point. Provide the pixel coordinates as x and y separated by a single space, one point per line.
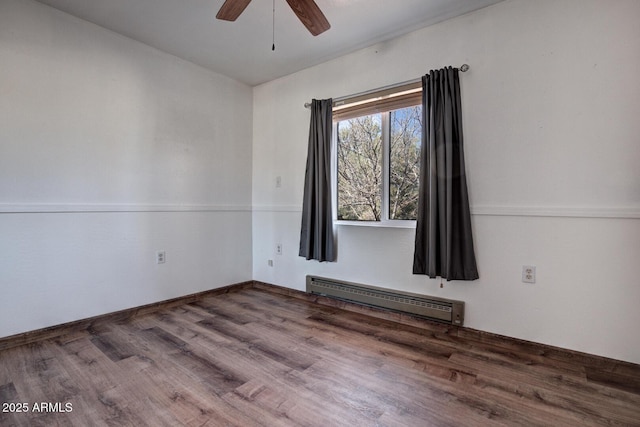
316 232
444 244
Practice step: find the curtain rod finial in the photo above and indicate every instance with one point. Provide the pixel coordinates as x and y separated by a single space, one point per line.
464 68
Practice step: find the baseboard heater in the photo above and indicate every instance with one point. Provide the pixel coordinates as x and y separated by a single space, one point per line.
432 308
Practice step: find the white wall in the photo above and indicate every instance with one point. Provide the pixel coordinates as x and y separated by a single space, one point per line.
109 151
551 143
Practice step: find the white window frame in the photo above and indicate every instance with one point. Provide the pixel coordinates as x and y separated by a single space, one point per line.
386 159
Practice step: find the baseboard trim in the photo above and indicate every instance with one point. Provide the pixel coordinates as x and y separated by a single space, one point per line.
116 316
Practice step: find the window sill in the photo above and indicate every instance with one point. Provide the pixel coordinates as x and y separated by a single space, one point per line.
378 224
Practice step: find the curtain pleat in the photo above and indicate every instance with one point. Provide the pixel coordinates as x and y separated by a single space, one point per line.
316 231
444 241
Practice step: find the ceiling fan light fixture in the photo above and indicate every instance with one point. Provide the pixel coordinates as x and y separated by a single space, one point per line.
231 9
307 12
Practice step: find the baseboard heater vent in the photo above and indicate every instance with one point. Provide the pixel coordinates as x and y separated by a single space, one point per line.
438 309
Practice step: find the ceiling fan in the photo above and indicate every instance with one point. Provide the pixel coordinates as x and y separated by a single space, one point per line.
306 10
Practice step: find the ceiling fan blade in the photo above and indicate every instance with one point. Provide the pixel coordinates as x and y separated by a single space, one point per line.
311 16
231 9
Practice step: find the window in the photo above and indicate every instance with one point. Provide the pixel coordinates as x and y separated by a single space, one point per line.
360 168
378 156
405 142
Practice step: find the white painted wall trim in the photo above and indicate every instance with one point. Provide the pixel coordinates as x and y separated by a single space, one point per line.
277 208
483 210
557 211
495 210
10 208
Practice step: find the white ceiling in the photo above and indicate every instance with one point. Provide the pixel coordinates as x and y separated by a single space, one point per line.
242 49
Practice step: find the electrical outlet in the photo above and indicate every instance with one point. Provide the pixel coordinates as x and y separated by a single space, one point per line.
270 262
161 257
279 248
278 181
529 273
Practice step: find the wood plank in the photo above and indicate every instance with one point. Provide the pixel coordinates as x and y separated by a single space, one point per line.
271 349
626 382
559 406
585 398
218 379
99 385
192 400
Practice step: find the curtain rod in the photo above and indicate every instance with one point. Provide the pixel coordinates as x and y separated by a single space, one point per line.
464 68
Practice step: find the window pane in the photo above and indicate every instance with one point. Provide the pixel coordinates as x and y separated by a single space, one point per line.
404 162
360 168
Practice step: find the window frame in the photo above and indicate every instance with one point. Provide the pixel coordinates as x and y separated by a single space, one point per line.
385 221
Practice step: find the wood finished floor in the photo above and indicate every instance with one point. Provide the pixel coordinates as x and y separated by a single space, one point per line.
257 358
